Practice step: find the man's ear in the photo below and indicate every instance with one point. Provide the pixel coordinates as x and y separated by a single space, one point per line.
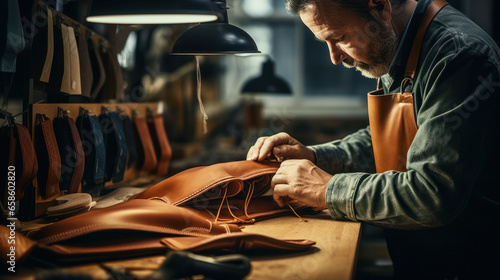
380 9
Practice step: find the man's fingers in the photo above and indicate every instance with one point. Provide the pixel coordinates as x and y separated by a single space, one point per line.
271 142
280 194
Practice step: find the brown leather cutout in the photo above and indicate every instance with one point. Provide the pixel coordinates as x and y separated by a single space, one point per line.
146 156
160 141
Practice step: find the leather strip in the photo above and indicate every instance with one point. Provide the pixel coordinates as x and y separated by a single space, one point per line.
93 148
47 66
71 83
57 69
26 152
47 153
86 74
122 152
430 13
146 156
80 158
98 72
129 136
71 152
113 85
161 144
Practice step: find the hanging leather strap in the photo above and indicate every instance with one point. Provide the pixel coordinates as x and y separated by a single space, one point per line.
98 72
113 85
161 144
71 152
129 136
48 156
26 152
430 13
146 156
121 160
86 75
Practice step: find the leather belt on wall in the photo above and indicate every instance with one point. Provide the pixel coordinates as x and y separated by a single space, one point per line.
116 146
71 153
49 160
98 73
42 50
16 150
86 75
129 136
146 155
93 148
161 144
113 85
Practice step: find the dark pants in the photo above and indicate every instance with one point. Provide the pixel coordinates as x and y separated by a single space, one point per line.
468 248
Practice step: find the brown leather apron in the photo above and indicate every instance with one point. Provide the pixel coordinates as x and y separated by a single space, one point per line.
392 118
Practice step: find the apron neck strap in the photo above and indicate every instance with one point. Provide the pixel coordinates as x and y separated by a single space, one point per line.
433 9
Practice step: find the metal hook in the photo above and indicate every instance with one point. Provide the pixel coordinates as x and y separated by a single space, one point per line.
84 112
62 112
104 110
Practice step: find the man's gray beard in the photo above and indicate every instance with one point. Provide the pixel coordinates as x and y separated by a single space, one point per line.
380 59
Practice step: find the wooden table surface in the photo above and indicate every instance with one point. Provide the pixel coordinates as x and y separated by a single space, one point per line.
333 256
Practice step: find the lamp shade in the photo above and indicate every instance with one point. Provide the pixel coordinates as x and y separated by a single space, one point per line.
267 82
214 39
151 11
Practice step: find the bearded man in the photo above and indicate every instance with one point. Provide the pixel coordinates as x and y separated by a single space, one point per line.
425 168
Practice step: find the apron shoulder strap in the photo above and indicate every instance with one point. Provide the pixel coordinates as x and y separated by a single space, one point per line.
431 12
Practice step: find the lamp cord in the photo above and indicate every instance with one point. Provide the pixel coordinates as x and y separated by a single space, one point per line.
202 108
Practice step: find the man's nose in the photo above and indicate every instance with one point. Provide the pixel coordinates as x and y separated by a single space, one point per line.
336 54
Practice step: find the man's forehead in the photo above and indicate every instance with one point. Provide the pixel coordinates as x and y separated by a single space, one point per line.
326 14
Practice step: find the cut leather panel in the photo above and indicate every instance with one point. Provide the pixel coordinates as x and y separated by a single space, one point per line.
161 144
57 69
393 127
189 184
7 153
140 227
49 160
146 156
240 241
139 215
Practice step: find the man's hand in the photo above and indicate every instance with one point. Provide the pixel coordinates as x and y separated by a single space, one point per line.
282 146
300 180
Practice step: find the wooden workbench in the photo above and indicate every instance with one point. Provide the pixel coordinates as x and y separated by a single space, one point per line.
333 256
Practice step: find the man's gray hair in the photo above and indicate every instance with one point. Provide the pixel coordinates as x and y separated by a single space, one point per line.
358 6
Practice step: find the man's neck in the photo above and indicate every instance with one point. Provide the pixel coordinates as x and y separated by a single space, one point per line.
401 16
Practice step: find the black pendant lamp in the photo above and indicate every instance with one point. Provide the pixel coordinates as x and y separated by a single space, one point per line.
267 82
151 11
215 38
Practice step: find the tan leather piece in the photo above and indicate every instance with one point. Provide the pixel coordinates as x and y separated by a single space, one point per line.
23 245
195 182
71 82
162 146
393 127
146 155
66 77
238 241
138 215
140 227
